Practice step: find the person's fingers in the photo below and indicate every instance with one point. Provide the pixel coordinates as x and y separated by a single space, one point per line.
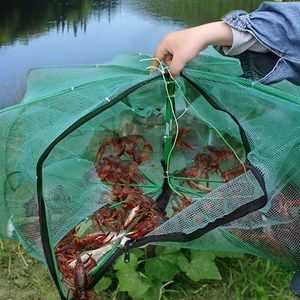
177 65
159 55
168 59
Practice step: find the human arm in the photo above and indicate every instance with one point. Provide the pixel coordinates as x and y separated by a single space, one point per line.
178 48
268 46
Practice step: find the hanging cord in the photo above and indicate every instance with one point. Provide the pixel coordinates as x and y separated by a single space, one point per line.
204 120
207 122
163 69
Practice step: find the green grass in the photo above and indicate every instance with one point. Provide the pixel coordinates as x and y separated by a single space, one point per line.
22 277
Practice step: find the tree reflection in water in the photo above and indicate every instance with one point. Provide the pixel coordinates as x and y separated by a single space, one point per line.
191 12
41 32
21 19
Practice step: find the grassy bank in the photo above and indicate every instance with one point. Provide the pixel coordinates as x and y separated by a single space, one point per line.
21 277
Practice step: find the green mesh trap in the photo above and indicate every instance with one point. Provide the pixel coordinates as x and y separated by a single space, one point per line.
97 160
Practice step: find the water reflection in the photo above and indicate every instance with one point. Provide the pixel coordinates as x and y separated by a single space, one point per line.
191 12
25 19
66 32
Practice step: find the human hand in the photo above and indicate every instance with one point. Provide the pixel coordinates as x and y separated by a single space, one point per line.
176 49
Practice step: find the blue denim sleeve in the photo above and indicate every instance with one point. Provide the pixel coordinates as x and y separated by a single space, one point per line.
277 27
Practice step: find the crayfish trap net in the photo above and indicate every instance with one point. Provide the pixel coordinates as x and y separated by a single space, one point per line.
100 159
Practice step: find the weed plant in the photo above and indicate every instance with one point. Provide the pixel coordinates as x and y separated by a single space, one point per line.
154 273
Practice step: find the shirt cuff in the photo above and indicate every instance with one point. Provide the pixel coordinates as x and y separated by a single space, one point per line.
243 41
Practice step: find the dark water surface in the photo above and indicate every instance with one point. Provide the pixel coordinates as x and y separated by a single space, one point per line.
43 32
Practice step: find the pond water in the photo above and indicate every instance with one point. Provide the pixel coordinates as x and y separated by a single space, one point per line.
67 32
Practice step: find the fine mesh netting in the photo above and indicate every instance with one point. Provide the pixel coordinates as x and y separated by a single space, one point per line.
101 159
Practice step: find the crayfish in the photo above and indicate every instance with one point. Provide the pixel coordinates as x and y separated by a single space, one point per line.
185 202
76 277
200 169
181 142
212 160
81 281
234 172
116 170
135 146
136 214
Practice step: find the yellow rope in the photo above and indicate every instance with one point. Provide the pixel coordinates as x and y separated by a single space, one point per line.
207 122
162 69
176 122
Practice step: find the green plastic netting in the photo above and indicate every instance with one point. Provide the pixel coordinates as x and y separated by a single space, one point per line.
211 161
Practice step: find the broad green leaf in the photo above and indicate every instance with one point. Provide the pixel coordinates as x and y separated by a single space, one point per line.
229 254
132 282
120 265
197 254
162 250
202 266
153 291
173 256
161 269
137 252
169 253
103 284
